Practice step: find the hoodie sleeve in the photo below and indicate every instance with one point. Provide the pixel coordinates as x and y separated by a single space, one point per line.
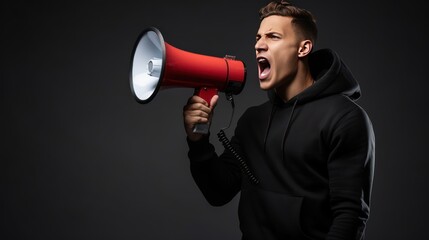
218 178
351 166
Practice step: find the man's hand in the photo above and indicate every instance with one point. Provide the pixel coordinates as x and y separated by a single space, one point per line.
197 110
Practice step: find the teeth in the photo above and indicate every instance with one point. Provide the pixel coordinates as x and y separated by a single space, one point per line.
260 60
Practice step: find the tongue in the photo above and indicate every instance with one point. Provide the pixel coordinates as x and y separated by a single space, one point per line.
264 74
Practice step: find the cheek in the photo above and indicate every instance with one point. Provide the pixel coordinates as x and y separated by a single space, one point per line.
285 64
285 59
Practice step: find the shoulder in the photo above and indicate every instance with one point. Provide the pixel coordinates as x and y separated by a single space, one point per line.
338 114
338 103
348 117
337 107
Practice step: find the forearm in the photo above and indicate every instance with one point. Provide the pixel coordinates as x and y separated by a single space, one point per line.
218 178
349 220
351 169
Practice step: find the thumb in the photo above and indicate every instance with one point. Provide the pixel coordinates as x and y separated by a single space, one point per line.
213 101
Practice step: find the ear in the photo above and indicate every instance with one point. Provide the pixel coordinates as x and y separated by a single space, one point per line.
305 48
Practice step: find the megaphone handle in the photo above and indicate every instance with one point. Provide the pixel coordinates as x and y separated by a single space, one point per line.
206 94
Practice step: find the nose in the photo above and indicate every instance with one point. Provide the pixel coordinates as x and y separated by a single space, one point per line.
261 45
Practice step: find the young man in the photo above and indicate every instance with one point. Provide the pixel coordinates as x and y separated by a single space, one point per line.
310 146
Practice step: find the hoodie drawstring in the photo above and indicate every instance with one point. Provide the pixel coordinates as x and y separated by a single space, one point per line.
287 128
270 119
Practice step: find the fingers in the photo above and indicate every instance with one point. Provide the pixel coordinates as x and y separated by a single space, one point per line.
192 117
196 107
196 111
197 99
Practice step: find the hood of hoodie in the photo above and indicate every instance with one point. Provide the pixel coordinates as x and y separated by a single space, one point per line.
331 76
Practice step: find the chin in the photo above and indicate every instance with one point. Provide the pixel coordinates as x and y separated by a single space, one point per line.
264 86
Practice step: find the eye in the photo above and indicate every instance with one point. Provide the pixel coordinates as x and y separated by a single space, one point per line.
274 36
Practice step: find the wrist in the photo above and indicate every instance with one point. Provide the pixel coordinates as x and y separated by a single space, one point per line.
195 137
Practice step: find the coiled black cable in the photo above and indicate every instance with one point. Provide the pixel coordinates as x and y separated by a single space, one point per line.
243 165
227 145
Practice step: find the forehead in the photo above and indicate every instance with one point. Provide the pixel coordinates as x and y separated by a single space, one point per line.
275 23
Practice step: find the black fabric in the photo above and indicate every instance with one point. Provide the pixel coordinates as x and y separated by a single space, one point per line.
313 155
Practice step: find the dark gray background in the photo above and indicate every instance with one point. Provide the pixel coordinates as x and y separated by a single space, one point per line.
81 159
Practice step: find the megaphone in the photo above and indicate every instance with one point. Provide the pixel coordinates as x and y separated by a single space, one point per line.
157 65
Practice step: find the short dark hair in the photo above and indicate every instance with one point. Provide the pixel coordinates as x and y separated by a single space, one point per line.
302 19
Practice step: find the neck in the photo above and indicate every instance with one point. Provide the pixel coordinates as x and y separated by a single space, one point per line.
301 81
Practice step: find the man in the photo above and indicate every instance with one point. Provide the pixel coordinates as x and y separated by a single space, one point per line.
310 146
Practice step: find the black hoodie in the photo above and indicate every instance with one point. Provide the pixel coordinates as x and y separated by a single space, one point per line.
313 156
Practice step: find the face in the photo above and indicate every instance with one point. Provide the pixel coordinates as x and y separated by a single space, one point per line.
277 52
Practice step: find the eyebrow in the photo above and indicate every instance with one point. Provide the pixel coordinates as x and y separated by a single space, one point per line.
268 33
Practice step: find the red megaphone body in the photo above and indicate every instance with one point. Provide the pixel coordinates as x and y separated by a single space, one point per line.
157 65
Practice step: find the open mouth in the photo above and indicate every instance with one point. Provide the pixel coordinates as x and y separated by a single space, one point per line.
264 67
